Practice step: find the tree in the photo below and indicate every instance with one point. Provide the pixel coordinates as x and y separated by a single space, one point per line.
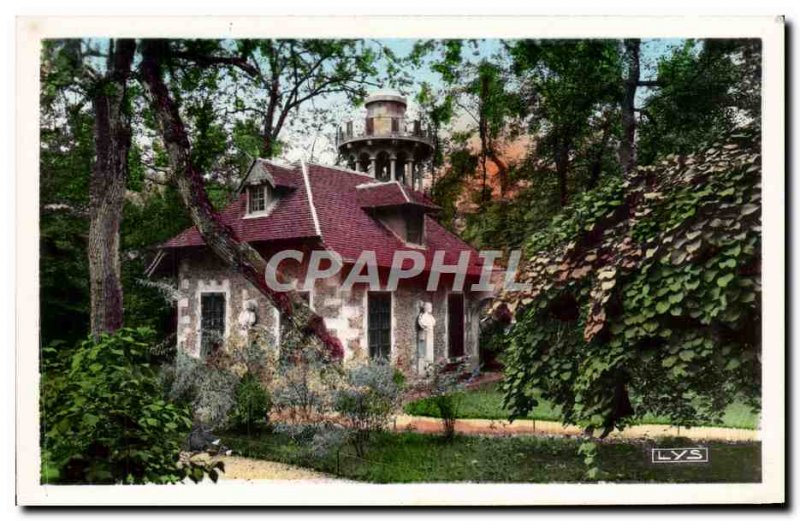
190 184
705 89
481 90
280 76
565 83
105 88
627 144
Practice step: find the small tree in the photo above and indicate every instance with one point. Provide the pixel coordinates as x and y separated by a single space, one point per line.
444 383
252 405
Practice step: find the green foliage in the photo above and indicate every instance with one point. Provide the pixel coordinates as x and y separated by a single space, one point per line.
705 88
588 450
448 187
252 405
645 296
104 420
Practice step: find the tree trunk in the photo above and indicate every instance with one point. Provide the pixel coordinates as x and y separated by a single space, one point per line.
596 167
240 256
112 139
502 169
562 170
627 146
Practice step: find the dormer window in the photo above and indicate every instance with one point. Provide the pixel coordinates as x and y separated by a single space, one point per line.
415 227
258 199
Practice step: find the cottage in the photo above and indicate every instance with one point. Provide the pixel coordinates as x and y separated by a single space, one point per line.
310 207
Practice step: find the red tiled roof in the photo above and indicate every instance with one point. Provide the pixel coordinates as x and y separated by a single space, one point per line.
343 224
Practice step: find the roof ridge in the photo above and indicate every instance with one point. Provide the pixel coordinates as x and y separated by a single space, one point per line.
403 190
342 169
376 184
310 198
288 166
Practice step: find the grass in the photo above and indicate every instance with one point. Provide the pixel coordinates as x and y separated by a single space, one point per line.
487 402
415 458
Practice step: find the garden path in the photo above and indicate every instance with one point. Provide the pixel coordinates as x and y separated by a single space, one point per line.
423 424
247 469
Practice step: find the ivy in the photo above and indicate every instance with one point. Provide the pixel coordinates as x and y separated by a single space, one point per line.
645 295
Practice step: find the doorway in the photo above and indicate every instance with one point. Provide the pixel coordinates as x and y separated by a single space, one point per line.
455 325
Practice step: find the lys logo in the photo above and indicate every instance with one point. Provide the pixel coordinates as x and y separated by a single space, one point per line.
681 455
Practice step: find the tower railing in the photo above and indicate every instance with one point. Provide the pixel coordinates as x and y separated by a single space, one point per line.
383 127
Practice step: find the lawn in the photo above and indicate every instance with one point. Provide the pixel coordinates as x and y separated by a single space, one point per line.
487 402
412 457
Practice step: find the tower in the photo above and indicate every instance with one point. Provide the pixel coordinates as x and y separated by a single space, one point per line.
388 147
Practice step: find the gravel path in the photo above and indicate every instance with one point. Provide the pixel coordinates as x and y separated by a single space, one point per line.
239 468
549 428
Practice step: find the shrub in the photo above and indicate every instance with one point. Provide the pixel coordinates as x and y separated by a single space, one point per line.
206 387
252 405
107 422
303 389
366 401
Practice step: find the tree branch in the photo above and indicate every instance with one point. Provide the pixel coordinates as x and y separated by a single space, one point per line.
218 236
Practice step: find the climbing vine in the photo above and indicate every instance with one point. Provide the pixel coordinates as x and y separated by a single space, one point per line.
645 295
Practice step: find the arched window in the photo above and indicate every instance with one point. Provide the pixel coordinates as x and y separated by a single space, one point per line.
382 167
363 163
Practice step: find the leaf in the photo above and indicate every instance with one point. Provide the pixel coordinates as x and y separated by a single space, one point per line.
675 298
749 208
669 361
724 280
677 257
662 306
694 246
732 364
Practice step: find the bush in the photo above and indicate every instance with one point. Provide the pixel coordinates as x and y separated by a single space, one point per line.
302 392
252 405
366 402
206 388
107 421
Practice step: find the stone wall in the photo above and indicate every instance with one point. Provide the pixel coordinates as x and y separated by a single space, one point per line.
344 312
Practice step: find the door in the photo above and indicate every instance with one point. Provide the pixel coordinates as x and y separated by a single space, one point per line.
379 325
455 325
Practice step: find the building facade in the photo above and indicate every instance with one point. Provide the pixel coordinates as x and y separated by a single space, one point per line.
366 221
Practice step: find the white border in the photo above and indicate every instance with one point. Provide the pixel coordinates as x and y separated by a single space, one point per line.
30 30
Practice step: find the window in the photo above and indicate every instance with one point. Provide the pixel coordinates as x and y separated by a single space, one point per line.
395 125
212 322
370 126
415 224
379 325
259 196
